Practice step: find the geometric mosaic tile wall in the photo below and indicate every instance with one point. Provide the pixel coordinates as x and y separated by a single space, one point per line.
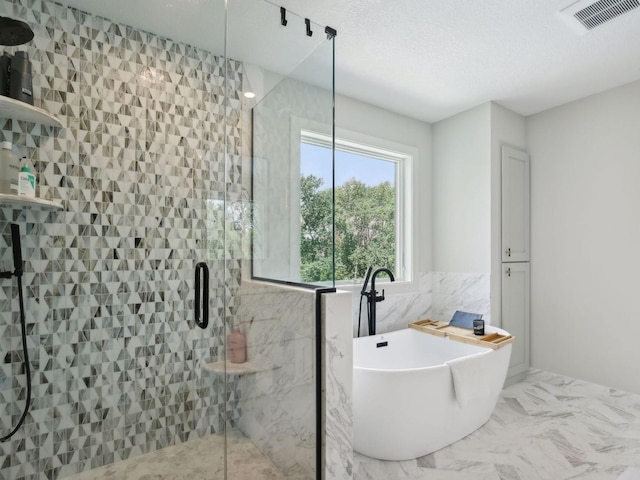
138 167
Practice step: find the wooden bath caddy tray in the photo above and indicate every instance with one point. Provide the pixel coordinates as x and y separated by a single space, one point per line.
459 334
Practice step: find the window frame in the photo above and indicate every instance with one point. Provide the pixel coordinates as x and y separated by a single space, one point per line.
403 156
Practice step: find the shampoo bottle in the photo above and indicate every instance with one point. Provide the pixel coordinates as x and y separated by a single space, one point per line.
237 343
9 169
26 183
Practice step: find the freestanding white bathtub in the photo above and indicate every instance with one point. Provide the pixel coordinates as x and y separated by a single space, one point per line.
404 401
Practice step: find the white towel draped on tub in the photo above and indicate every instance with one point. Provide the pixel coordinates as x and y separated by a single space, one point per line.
471 377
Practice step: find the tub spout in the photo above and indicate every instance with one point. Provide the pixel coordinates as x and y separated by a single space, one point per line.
373 297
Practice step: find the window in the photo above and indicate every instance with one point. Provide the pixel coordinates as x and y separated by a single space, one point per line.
370 214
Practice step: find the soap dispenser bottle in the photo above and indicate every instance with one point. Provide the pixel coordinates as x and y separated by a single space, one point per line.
237 343
26 183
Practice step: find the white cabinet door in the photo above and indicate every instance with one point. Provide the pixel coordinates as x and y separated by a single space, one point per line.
515 313
515 205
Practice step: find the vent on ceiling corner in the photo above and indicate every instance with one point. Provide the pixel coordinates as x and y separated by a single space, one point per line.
585 15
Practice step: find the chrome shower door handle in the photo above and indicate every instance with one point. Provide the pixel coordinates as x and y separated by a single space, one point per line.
201 302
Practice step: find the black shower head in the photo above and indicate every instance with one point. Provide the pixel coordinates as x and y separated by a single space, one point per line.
14 32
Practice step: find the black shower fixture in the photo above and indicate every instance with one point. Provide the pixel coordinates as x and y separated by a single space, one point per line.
331 32
14 32
17 272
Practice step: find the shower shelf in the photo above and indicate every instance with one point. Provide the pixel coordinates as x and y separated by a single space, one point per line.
20 201
10 108
245 368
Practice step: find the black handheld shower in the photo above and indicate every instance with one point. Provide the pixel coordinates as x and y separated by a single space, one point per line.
17 249
17 253
366 280
364 293
17 272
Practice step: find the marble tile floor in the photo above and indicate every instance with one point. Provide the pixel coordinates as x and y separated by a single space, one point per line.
548 427
199 459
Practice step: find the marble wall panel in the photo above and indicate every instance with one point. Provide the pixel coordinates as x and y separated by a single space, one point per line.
468 292
338 386
438 296
398 309
277 403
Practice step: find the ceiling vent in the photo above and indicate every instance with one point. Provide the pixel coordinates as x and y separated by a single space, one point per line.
585 15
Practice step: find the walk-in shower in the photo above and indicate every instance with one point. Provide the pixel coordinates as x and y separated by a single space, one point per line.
166 174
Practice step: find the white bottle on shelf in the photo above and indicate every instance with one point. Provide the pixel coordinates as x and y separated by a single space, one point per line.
26 183
9 169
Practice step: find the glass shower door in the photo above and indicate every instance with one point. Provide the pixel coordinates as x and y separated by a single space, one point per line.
154 169
124 384
279 80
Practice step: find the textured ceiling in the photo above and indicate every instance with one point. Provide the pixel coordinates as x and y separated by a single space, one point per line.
424 59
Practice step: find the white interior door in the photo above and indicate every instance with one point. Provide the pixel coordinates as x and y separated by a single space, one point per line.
515 205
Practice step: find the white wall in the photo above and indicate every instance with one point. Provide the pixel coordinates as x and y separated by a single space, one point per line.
384 125
404 302
585 215
462 192
467 223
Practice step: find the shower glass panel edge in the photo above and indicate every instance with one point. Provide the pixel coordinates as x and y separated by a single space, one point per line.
272 407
